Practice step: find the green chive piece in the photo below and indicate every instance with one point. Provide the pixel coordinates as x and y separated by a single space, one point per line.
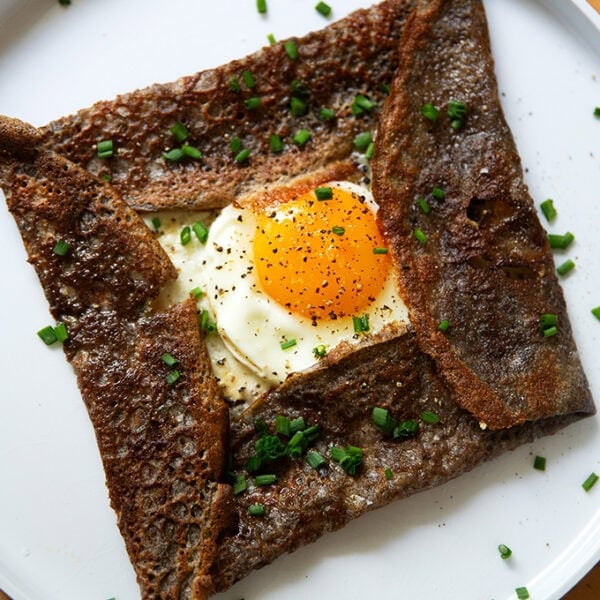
550 331
239 485
326 114
174 155
420 235
271 39
243 155
370 151
385 88
565 267
406 430
169 359
297 425
323 8
324 193
522 593
288 344
539 463
438 193
425 208
106 177
252 103
201 231
64 2
298 107
590 482
361 324
349 458
235 143
269 479
320 351
47 335
361 104
378 250
362 141
248 79
597 111
61 333
549 324
302 137
234 85
596 312
457 111
196 293
256 510
429 111
207 325
105 149
444 325
548 209
389 474
185 236
505 551
261 6
156 223
383 420
315 459
275 143
429 417
300 89
291 49
173 376
560 242
282 425
253 464
61 248
180 132
338 230
191 152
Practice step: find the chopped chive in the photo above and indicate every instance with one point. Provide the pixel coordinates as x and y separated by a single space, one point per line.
361 324
196 293
239 485
234 85
169 359
522 593
275 143
438 193
106 177
326 114
323 8
288 344
429 417
201 231
243 155
550 331
539 463
256 510
156 223
61 332
389 474
362 141
265 479
406 430
261 6
378 250
191 152
291 49
590 482
420 235
425 208
457 111
235 143
324 193
105 149
252 103
429 111
548 209
361 104
302 137
382 419
505 551
248 79
596 312
297 106
294 446
315 459
548 319
61 248
444 325
185 236
597 111
48 335
174 155
64 2
320 351
565 267
338 230
282 425
560 242
253 464
370 151
207 325
297 425
180 132
173 376
299 89
271 39
349 458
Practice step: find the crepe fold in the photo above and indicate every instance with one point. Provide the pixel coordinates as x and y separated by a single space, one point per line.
170 450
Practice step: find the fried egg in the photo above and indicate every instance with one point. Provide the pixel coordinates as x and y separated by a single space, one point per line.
286 279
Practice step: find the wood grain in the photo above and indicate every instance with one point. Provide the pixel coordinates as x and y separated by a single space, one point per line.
595 4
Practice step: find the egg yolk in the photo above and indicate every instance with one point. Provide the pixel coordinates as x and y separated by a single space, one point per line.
321 258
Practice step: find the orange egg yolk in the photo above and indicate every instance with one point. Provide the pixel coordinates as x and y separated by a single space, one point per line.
321 258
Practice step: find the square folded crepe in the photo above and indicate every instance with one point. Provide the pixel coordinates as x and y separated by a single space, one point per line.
176 454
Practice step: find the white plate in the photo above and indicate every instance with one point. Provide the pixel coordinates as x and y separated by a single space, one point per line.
58 538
